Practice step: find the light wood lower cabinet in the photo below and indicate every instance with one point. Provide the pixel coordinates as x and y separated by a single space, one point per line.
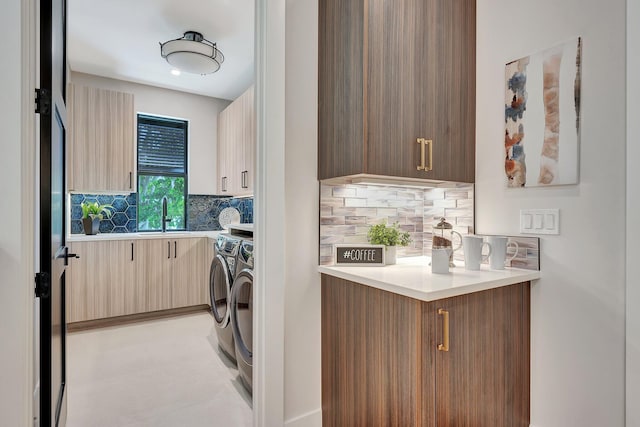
381 365
189 255
121 277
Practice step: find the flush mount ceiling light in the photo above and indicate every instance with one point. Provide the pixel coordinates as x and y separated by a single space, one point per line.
192 53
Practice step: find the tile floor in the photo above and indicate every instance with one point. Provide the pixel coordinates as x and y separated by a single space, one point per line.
161 373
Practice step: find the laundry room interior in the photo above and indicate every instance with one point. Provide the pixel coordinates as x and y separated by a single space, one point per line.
160 182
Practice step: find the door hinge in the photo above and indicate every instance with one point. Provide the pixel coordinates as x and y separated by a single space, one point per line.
43 101
43 285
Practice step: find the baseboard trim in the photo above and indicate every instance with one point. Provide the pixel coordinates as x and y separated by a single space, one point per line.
133 318
310 419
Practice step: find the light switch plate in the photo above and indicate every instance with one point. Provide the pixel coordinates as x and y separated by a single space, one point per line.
540 221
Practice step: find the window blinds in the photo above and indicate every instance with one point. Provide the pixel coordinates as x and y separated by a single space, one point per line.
162 145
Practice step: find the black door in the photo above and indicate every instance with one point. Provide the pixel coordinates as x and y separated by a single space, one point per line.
53 250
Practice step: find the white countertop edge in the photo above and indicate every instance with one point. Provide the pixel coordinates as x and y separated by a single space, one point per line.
485 279
142 236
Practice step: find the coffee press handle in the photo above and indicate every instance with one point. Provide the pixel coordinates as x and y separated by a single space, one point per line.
459 241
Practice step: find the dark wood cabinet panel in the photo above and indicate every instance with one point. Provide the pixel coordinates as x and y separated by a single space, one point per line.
381 365
483 379
371 368
389 73
340 88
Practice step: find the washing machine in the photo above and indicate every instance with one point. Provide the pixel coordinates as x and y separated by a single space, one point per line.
242 313
221 279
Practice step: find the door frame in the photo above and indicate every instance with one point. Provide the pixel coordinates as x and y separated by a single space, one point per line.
269 215
268 407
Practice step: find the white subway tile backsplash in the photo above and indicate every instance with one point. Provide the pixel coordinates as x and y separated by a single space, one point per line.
415 210
344 192
444 203
355 203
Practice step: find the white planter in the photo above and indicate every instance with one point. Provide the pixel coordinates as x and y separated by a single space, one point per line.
390 255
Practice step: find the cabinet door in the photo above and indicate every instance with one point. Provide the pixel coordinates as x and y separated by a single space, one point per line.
118 273
189 284
371 356
236 146
101 154
102 281
483 379
247 155
84 290
341 108
154 272
421 74
222 161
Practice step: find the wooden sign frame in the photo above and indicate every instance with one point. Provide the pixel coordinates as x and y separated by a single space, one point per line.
359 255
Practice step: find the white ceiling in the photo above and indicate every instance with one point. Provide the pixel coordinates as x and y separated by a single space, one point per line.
120 39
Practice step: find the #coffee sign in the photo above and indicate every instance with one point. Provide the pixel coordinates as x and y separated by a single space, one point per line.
364 255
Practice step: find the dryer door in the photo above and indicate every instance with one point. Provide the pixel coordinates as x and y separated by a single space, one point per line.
220 290
242 315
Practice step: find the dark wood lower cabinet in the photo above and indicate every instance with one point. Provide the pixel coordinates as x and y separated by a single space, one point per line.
381 365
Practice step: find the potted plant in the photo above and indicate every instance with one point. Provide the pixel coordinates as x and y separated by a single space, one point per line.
92 213
389 235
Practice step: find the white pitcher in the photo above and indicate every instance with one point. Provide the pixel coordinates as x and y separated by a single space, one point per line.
499 246
472 246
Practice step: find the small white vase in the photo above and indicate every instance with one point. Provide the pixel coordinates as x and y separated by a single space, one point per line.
390 255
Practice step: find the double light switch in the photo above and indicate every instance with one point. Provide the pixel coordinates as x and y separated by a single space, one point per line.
540 221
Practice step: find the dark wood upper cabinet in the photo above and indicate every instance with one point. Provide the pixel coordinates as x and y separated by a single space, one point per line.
391 72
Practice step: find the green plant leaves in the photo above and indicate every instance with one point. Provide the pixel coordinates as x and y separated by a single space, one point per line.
382 234
94 210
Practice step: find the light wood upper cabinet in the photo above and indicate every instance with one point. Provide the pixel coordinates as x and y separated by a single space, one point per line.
391 73
120 277
101 148
236 146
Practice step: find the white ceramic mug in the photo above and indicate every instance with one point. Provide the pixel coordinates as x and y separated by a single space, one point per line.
440 260
499 246
472 246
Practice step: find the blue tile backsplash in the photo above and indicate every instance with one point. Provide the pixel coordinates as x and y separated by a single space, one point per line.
123 220
202 211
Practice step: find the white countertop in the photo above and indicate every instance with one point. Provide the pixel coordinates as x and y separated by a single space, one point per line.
142 236
412 277
242 227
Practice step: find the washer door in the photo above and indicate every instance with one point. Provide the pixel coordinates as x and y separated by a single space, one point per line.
242 315
220 290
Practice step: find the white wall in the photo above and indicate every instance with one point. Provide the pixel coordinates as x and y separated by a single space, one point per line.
201 111
16 290
577 341
633 213
302 311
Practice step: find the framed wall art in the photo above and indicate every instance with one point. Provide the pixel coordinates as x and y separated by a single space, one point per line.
542 117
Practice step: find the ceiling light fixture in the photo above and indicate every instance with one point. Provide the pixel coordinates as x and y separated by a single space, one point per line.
175 72
192 53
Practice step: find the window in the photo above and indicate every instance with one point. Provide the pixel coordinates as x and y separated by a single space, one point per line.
162 171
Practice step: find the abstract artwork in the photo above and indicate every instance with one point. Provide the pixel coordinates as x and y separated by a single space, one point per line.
542 117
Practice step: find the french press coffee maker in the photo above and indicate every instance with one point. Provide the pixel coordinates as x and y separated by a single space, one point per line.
443 238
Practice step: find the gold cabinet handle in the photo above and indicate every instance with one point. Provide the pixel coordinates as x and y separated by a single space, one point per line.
445 330
421 166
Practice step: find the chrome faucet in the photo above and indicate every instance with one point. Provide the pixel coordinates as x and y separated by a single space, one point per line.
165 220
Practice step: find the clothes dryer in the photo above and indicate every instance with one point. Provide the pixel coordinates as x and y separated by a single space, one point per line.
242 313
221 278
